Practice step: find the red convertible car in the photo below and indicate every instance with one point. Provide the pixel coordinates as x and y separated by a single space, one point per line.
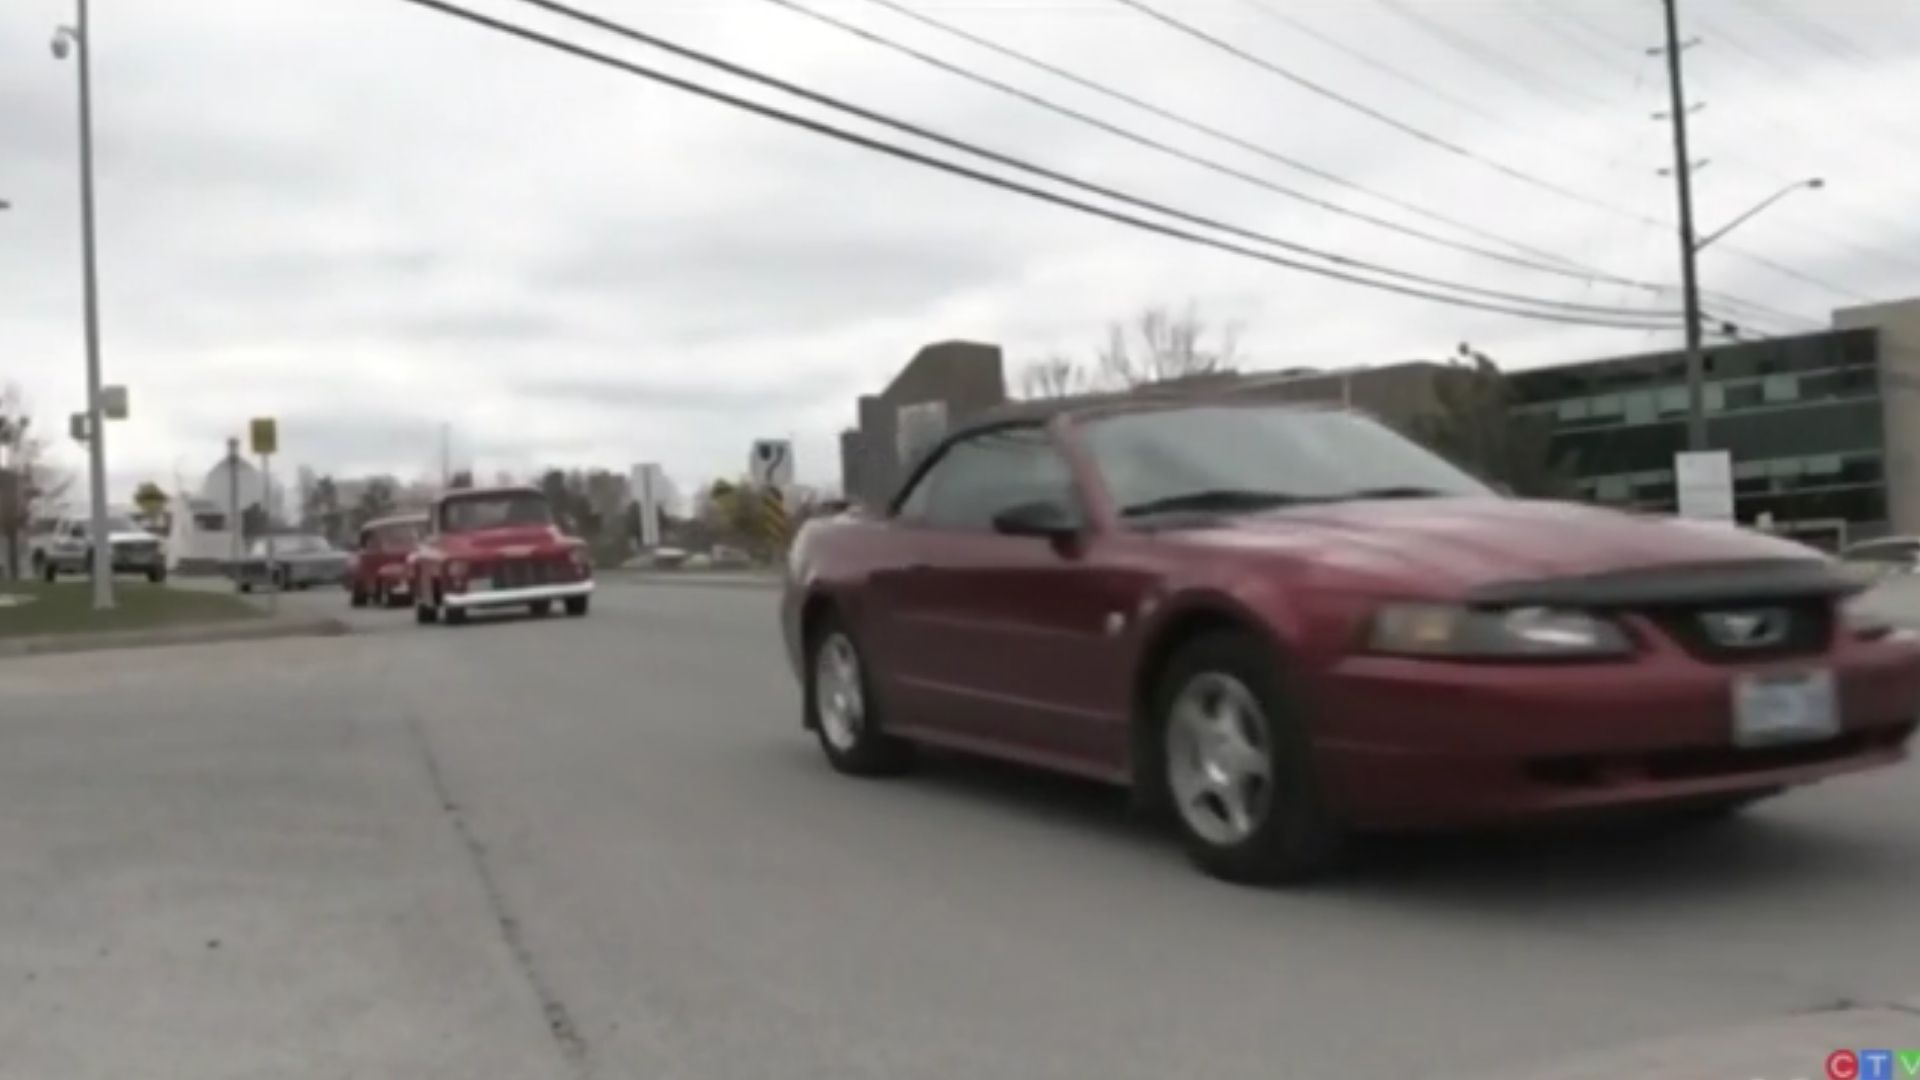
495 548
1288 625
379 572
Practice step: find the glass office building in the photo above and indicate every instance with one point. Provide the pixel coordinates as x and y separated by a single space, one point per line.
1803 417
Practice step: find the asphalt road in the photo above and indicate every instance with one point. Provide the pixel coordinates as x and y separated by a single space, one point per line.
604 847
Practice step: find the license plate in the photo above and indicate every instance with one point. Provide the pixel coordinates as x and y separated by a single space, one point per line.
1769 710
479 584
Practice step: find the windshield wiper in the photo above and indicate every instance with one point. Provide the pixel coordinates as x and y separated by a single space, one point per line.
1228 499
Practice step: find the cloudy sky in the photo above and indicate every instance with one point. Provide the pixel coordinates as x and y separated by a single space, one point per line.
369 219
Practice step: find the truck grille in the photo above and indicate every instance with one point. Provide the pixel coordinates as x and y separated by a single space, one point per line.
522 573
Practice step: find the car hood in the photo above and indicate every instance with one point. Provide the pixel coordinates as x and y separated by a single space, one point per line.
529 538
134 537
1452 545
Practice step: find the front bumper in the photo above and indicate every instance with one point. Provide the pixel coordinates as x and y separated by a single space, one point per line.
511 597
1413 743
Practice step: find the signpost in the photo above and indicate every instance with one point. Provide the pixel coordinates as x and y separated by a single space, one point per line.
1703 482
265 437
646 497
771 467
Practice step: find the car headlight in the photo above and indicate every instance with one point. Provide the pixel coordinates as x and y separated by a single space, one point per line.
1450 630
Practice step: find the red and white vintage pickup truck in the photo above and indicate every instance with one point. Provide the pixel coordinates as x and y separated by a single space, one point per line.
493 548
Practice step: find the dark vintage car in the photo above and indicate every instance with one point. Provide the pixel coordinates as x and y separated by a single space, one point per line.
379 572
494 548
293 561
1289 625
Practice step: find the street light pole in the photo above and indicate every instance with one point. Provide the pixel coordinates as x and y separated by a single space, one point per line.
77 39
1689 273
1811 183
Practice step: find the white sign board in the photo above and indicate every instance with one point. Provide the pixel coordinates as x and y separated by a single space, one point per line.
1703 480
771 463
647 495
113 402
917 427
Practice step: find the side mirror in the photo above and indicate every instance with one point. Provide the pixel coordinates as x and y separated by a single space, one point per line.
1047 519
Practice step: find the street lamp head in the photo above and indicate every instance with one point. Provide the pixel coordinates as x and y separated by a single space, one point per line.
1816 183
64 40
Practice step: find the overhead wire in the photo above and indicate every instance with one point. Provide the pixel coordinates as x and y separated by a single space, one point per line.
1159 146
1627 320
1422 135
919 16
1009 161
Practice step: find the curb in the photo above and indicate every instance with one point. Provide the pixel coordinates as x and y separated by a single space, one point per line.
199 634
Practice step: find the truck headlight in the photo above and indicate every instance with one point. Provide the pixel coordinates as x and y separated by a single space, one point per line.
1451 630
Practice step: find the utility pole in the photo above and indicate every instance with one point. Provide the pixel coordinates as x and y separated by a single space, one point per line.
1689 272
78 38
234 550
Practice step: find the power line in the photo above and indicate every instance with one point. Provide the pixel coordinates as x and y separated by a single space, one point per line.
1638 321
1491 59
1422 135
1231 139
1009 161
1183 155
1412 130
1209 130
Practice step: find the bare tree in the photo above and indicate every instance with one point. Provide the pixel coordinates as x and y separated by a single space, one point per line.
27 483
1475 427
1160 345
1054 376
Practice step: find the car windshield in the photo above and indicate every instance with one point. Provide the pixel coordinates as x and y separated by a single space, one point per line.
476 512
1243 457
121 523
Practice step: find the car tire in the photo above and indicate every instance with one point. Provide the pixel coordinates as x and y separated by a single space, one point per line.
541 608
246 586
841 709
356 597
45 569
577 605
425 615
1235 765
157 575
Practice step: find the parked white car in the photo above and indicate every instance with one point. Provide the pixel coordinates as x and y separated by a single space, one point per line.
68 549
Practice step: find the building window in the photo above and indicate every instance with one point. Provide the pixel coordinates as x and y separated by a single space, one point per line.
1639 407
1613 489
1673 401
1573 409
1605 407
1744 395
1714 397
1780 388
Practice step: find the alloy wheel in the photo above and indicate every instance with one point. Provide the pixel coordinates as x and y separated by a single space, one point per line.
839 701
1219 758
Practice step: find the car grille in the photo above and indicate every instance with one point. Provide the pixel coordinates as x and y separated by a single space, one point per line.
1808 629
522 573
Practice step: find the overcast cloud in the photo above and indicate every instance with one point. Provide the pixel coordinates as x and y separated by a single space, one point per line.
371 220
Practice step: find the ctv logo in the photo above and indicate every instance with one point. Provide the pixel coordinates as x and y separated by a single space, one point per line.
1873 1065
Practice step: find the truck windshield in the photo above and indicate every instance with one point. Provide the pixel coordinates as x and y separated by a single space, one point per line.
477 512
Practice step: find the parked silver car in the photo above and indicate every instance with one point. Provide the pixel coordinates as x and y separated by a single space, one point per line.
296 561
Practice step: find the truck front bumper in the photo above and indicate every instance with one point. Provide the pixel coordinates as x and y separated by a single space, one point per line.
486 598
